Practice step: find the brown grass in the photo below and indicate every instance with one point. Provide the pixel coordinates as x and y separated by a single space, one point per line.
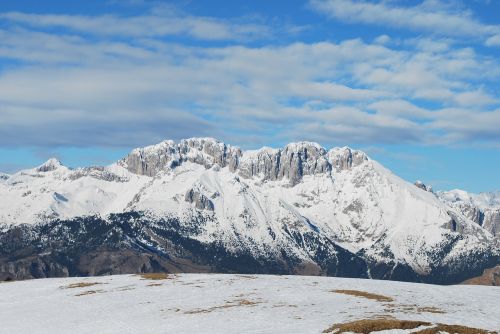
229 304
126 288
430 309
489 277
80 285
453 329
246 276
154 284
155 276
411 309
367 326
89 292
363 294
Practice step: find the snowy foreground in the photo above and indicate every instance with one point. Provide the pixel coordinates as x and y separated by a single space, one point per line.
214 303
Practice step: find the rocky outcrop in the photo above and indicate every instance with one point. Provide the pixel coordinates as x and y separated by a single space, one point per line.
423 186
49 166
491 221
151 160
483 209
291 162
344 158
99 173
199 200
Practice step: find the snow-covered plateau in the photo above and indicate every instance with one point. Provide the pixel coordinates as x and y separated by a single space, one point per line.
200 205
216 303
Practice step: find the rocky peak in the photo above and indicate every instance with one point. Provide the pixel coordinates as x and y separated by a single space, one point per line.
50 165
4 176
291 162
344 158
204 151
209 151
423 186
303 158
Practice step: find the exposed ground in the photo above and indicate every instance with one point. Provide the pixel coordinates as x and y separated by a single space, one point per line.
489 277
214 303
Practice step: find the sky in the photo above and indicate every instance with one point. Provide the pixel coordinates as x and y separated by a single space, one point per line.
415 84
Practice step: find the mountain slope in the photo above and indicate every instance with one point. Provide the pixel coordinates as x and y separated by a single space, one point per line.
299 209
483 209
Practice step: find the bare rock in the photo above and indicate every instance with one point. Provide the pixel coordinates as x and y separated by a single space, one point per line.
201 201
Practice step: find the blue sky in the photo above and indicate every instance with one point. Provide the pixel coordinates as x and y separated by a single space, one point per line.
413 83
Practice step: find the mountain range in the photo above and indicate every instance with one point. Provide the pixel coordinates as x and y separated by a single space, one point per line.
200 205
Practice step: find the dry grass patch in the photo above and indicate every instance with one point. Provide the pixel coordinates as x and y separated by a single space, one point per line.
229 304
363 294
126 288
283 305
80 285
453 329
89 292
155 276
411 309
154 284
246 276
367 326
430 309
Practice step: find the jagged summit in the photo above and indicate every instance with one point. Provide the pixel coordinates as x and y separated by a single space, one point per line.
292 161
49 165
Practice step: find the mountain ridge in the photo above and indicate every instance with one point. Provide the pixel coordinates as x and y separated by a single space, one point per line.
296 209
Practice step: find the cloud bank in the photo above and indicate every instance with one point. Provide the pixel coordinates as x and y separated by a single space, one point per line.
122 81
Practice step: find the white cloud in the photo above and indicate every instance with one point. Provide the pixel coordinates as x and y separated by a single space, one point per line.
493 40
382 39
433 17
164 23
74 89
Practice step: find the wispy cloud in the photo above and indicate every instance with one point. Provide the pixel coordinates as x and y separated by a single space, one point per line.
430 16
116 81
154 24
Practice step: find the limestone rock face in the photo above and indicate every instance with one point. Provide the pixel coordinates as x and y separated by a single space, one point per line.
491 221
344 158
291 162
304 158
264 162
199 200
151 160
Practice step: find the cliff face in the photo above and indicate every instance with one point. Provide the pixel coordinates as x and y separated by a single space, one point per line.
483 209
291 162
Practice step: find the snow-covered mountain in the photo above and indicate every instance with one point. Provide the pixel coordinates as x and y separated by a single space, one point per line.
483 208
200 204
